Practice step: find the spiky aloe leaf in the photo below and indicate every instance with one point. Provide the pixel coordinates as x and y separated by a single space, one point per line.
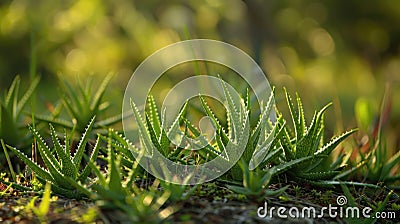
164 142
32 165
124 146
208 150
77 158
248 101
174 130
86 171
55 171
261 124
290 164
153 135
263 148
327 148
67 167
311 140
274 154
240 190
115 180
143 131
308 144
287 146
266 155
154 116
234 113
221 146
295 116
209 112
62 171
301 122
254 181
317 122
44 149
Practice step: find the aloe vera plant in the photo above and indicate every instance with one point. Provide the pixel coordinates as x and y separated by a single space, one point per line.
309 142
11 107
260 161
262 141
64 170
82 104
152 132
227 143
113 191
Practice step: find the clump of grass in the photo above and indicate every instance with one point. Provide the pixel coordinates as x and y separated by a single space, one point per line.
376 164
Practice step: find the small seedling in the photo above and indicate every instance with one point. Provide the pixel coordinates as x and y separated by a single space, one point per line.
44 206
255 182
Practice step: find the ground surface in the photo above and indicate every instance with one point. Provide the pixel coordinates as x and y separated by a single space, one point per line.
211 203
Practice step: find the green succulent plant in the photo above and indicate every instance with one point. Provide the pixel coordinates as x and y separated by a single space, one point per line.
63 170
151 132
82 104
262 149
260 161
309 141
125 149
255 182
116 190
12 128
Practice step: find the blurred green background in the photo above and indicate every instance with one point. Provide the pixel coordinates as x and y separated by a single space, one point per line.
341 51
